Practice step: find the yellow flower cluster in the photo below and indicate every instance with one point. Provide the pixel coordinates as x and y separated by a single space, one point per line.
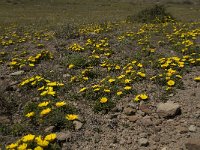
30 61
76 47
34 142
46 89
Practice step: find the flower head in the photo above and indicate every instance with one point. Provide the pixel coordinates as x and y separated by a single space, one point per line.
170 83
60 104
71 117
103 100
50 137
45 111
27 138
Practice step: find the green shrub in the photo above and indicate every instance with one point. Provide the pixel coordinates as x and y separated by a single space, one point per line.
155 14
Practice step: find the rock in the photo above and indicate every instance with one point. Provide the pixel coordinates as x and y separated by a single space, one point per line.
141 113
17 73
146 109
132 105
156 138
4 120
143 135
133 118
117 109
168 109
146 121
182 130
77 125
122 141
192 128
49 129
164 148
63 136
193 144
143 142
129 111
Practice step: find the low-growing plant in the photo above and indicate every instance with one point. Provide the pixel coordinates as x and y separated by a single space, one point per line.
155 14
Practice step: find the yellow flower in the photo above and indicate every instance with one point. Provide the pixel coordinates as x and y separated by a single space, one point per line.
51 91
43 143
41 88
127 81
143 96
137 98
27 138
83 89
121 76
71 117
141 74
170 83
119 93
30 114
43 104
111 80
12 146
22 146
44 93
140 65
107 90
60 104
140 97
45 111
197 79
103 100
71 66
38 148
127 87
50 137
52 84
117 67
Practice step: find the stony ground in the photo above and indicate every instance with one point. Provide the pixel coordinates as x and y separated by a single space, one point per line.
165 117
140 126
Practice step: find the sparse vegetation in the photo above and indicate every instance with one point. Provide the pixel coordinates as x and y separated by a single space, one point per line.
55 77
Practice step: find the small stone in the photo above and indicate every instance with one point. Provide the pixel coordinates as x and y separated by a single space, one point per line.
145 108
192 128
4 120
17 73
133 118
143 142
129 111
122 141
182 130
146 121
168 109
156 139
143 135
164 148
77 125
49 129
193 144
132 105
63 136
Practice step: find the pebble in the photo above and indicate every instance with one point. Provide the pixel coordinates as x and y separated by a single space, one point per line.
168 109
192 128
17 73
143 142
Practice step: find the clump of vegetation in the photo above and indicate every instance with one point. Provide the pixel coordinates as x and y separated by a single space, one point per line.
155 14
